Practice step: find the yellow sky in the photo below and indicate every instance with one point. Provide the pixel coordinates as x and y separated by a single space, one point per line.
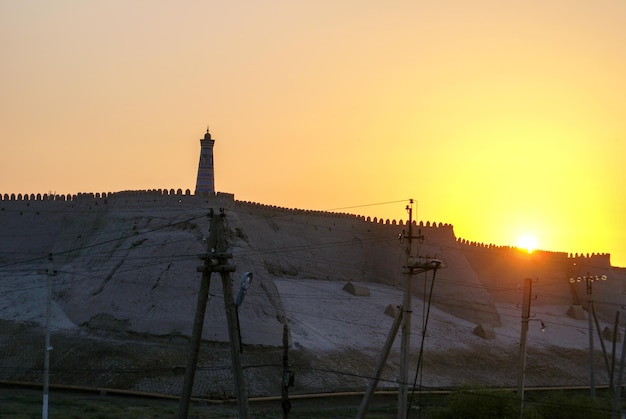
502 118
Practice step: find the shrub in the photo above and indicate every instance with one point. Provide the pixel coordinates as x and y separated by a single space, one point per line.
480 403
558 405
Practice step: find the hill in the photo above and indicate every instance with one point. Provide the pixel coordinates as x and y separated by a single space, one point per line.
126 283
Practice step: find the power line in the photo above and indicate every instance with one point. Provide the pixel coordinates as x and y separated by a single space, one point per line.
101 243
368 205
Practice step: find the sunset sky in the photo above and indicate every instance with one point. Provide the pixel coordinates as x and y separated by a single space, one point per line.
502 118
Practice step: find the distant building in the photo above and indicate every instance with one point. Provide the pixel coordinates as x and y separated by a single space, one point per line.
205 182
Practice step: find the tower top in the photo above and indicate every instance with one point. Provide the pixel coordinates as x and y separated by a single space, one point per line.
206 175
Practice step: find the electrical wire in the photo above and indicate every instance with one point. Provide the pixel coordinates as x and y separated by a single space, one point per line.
424 328
284 250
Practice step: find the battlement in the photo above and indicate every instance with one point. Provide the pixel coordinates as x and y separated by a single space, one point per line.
278 210
597 259
92 195
167 195
489 246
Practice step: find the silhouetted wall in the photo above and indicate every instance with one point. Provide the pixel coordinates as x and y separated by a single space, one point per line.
442 230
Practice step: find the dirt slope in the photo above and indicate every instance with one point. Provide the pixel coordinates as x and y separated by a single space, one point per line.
126 285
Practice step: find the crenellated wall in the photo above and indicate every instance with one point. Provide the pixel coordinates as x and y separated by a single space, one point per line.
375 220
167 195
595 258
95 195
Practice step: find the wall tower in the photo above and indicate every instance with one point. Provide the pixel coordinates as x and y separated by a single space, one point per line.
205 183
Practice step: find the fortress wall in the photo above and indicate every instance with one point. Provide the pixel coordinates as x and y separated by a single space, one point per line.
96 195
596 259
479 245
274 210
35 197
602 259
165 195
119 199
434 230
435 234
369 243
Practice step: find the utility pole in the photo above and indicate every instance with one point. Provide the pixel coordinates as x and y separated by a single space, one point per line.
364 406
402 319
413 268
216 260
620 374
592 379
198 322
602 345
287 375
49 272
528 286
612 369
231 317
589 280
405 343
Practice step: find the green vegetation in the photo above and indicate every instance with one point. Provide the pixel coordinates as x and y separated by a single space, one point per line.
478 402
67 406
561 405
470 402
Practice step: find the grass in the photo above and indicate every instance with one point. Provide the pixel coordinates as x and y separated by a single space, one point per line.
18 403
27 404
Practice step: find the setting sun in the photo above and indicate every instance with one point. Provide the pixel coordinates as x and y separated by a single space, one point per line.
508 105
527 242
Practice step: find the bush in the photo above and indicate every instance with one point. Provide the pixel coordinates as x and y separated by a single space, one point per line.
559 405
480 403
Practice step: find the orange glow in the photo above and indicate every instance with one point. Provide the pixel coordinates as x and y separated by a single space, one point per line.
527 242
499 119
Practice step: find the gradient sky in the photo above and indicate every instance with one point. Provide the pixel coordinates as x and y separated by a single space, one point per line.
501 118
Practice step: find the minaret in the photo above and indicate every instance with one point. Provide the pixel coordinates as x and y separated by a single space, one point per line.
205 183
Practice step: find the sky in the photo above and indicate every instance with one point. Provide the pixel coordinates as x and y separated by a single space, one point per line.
504 119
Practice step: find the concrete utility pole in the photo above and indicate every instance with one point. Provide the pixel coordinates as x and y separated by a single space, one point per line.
49 272
589 280
528 286
620 374
405 343
592 379
287 374
382 360
612 368
413 266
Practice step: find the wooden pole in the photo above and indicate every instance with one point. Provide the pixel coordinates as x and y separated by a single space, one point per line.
194 346
382 360
231 318
198 324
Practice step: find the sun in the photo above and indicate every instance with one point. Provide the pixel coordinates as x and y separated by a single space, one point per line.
527 242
